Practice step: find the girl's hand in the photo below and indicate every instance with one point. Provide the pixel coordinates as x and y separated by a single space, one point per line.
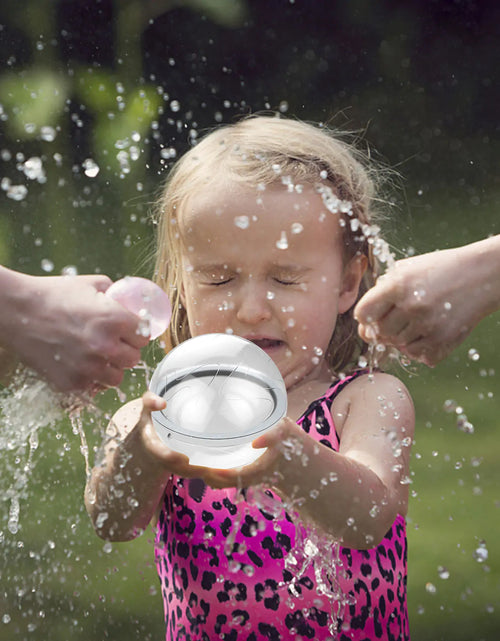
143 437
267 469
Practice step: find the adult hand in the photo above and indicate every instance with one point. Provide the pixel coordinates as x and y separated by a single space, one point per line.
67 330
426 305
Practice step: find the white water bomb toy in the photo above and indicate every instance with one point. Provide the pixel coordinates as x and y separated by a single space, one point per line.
222 391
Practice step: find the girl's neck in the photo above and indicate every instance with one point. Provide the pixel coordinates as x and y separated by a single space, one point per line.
304 392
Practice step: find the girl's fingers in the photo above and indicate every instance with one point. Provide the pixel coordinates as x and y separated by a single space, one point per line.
152 403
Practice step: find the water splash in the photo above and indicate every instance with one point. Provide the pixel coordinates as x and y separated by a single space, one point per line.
379 248
28 406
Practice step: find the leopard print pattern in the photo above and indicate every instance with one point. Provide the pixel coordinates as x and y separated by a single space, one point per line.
221 564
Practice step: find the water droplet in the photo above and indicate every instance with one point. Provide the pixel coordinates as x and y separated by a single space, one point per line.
69 270
362 362
297 228
17 192
430 588
90 168
270 295
473 354
48 133
480 554
242 222
450 405
101 519
33 169
47 265
282 243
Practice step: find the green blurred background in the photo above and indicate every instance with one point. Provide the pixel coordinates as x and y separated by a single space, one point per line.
106 94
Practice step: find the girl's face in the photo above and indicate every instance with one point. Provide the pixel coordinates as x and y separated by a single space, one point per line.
267 266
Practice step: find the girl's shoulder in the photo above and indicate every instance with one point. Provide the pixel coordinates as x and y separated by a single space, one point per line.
366 393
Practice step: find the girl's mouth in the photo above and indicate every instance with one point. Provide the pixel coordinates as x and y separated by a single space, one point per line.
267 344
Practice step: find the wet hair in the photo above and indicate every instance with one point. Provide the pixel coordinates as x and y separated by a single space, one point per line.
258 151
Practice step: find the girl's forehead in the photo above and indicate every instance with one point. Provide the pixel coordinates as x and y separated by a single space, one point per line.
240 207
272 225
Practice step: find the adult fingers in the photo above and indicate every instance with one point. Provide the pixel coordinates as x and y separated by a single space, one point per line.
424 352
391 326
374 305
131 332
125 356
111 376
99 281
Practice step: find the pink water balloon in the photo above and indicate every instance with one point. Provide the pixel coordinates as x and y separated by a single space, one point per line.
145 299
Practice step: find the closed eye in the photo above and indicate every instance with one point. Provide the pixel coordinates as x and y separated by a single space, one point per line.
282 281
219 282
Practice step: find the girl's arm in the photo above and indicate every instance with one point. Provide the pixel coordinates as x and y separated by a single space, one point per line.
124 491
354 494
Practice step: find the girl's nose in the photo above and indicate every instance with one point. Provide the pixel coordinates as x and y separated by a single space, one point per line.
253 305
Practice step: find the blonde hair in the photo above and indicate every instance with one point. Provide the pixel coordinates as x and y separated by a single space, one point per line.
258 151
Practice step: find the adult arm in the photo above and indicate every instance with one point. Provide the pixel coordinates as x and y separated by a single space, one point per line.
427 305
66 330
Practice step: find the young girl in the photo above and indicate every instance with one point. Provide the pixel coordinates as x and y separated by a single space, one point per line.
266 231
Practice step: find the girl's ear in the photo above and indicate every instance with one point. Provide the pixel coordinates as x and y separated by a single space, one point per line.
351 280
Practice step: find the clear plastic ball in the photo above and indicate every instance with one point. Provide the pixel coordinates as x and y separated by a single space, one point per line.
222 391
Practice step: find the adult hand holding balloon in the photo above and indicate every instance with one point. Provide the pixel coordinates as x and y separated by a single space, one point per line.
145 299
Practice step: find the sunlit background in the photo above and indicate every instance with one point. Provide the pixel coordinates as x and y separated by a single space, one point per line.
97 99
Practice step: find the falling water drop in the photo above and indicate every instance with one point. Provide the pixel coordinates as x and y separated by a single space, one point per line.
47 265
282 243
242 222
480 554
90 168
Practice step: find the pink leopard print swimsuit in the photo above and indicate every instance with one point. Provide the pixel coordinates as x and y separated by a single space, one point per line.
244 593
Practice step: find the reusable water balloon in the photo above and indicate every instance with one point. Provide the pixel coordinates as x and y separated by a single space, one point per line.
222 391
145 299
